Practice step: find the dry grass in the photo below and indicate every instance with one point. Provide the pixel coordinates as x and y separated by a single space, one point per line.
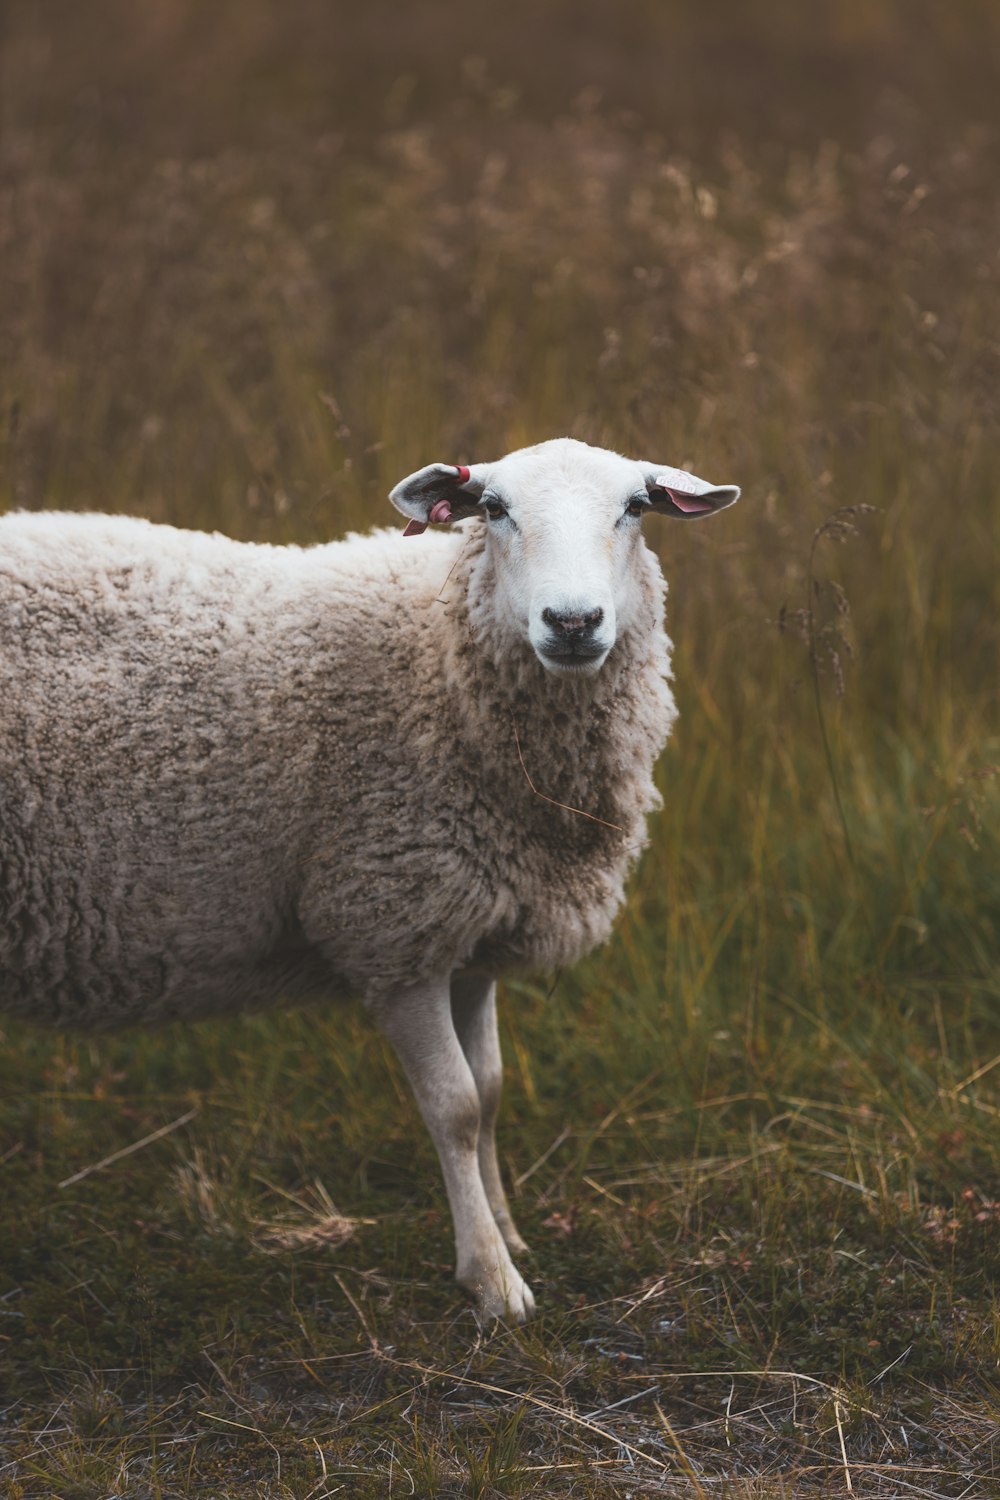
254 265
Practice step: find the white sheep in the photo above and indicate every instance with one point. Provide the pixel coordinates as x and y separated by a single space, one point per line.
235 775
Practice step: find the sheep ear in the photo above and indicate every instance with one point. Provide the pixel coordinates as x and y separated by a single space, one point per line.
675 492
439 492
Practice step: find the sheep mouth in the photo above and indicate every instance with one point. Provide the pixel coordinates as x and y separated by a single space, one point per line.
581 659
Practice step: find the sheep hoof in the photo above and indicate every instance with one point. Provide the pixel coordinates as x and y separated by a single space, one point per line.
515 1304
507 1298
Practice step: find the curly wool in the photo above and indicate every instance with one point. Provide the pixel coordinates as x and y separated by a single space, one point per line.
235 774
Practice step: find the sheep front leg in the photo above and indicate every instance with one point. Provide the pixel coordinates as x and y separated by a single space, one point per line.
474 1008
418 1022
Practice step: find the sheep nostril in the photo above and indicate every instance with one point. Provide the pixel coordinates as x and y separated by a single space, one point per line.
573 624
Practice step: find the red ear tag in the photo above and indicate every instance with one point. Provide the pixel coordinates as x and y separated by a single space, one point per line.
440 511
463 473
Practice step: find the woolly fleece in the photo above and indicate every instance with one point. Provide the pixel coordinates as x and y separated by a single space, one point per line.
235 774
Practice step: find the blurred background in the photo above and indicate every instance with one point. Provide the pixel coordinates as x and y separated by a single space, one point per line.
256 263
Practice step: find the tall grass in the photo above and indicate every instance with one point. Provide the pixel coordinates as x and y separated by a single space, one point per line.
254 267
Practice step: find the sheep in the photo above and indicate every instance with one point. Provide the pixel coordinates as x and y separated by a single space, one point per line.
233 775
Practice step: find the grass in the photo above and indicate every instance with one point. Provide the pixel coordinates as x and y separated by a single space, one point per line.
253 270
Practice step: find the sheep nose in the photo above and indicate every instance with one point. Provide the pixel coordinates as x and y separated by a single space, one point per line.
573 626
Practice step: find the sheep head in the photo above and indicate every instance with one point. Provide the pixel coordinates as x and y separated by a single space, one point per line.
563 531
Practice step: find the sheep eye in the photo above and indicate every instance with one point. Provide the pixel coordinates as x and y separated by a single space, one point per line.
494 509
636 507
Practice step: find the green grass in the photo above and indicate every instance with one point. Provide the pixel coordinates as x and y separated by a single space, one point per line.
256 268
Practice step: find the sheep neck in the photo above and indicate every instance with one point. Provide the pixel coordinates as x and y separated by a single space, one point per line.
587 743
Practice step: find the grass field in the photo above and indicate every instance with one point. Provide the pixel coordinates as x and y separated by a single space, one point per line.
255 265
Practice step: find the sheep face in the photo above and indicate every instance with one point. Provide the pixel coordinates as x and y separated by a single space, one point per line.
563 531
